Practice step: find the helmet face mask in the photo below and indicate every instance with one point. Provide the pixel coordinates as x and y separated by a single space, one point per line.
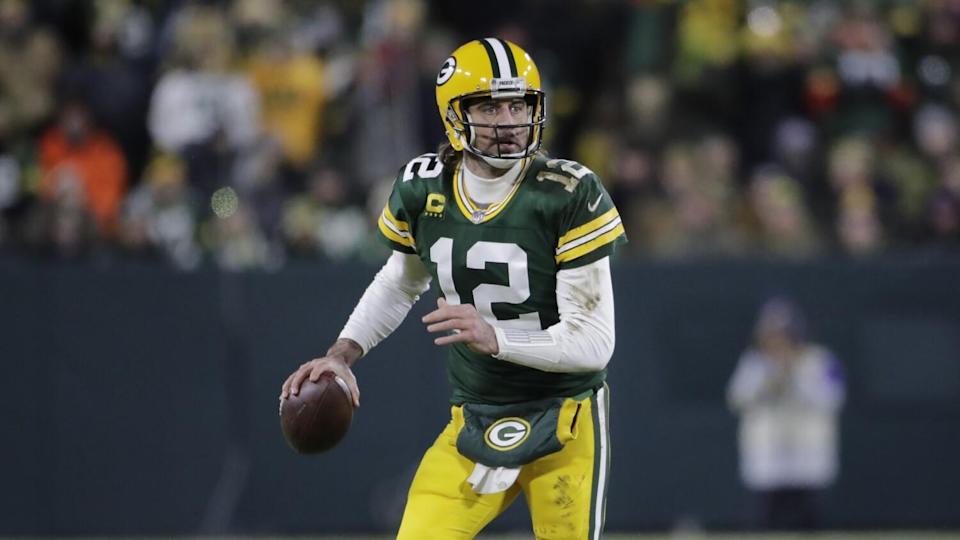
467 127
490 69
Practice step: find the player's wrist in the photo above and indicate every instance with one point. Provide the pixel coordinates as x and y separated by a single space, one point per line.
345 349
500 339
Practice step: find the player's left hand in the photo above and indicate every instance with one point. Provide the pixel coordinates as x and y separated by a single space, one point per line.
466 324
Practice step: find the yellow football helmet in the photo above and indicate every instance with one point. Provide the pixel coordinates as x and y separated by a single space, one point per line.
489 68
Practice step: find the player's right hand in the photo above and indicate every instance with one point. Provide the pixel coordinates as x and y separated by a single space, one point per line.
314 368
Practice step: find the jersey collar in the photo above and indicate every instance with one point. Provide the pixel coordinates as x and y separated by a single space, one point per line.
474 213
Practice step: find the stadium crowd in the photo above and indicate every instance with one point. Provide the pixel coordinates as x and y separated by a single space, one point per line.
253 132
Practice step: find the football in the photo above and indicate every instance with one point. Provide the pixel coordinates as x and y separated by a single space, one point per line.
318 417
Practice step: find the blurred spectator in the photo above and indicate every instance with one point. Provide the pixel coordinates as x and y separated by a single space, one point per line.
257 180
869 91
74 151
200 109
386 98
29 66
648 105
706 39
62 223
912 179
788 392
600 139
783 224
854 103
769 77
18 173
234 238
293 94
30 62
936 131
943 220
9 192
321 222
114 75
858 226
796 148
697 215
950 174
860 197
161 214
633 185
704 67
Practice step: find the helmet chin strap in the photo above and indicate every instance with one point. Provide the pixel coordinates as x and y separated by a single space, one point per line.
498 163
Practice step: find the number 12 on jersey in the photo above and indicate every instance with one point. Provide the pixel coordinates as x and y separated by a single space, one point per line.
485 295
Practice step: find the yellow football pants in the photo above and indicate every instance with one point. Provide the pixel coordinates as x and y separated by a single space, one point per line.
565 491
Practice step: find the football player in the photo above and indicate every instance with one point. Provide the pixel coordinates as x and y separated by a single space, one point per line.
519 245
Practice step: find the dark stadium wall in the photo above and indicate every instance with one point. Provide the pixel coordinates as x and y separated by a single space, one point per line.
137 400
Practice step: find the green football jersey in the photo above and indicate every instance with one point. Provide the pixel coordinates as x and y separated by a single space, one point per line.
503 259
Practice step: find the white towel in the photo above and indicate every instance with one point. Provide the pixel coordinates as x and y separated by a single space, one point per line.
486 480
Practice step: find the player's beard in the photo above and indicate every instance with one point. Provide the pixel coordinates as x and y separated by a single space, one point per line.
502 144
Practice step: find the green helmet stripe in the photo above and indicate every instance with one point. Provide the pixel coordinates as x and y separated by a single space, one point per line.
510 58
494 64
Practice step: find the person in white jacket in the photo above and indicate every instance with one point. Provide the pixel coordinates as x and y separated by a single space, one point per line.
788 393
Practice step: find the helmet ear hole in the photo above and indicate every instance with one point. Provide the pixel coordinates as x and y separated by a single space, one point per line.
459 126
452 117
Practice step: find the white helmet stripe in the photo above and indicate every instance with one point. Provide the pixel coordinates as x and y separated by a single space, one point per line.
500 51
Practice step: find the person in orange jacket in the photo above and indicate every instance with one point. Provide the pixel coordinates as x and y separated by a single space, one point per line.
74 150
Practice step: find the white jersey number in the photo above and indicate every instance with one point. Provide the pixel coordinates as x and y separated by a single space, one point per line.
485 295
572 168
425 166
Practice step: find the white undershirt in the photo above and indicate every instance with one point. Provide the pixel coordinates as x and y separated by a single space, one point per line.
387 300
486 191
583 340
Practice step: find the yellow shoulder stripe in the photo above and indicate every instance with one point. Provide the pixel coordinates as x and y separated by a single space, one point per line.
588 227
587 247
399 225
391 234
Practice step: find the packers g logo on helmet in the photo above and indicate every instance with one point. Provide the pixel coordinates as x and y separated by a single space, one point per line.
489 68
447 70
507 433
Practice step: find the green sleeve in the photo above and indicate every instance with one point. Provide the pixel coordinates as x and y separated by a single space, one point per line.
395 225
590 227
397 222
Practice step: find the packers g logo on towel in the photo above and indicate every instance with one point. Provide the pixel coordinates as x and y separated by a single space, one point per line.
507 433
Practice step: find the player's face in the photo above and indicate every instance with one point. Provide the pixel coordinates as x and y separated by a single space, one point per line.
501 112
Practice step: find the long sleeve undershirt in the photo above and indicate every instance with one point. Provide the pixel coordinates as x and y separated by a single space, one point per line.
387 300
583 340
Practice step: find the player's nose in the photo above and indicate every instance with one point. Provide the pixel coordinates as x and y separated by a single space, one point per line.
505 116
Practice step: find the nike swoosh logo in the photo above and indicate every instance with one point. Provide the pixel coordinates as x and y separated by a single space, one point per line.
592 207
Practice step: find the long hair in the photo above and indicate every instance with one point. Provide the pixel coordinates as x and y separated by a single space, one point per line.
448 156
